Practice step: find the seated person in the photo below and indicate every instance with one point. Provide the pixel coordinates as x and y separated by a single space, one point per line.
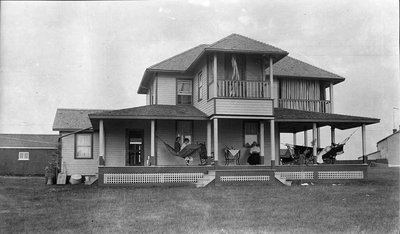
254 157
177 145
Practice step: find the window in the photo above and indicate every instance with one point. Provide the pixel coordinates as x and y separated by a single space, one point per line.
23 156
200 86
251 133
83 146
184 92
184 129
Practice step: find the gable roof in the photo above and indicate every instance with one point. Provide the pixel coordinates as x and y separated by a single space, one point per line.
291 119
242 44
180 62
291 67
72 119
28 140
153 112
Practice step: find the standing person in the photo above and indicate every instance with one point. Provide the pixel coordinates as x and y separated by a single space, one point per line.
254 158
177 146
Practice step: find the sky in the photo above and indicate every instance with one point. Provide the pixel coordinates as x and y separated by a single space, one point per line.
92 55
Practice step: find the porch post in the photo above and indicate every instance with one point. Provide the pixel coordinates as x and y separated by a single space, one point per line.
319 137
215 74
262 153
333 135
209 138
101 144
314 135
272 136
305 138
271 80
216 140
363 143
331 96
152 138
294 138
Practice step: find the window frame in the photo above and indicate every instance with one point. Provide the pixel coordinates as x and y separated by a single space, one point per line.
22 156
200 86
177 95
244 131
76 146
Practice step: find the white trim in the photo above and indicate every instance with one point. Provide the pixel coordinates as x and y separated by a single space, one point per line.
240 117
27 147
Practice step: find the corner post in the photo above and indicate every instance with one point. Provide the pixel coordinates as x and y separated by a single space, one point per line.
331 97
272 135
216 140
364 145
209 138
102 146
271 80
305 138
294 138
262 143
314 135
152 138
215 75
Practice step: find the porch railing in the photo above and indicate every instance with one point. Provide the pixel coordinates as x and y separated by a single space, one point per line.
243 89
323 106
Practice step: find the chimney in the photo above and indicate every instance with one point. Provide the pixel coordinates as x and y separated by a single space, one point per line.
394 130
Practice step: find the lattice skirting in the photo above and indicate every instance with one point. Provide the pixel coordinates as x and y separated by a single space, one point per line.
117 178
327 175
244 178
296 175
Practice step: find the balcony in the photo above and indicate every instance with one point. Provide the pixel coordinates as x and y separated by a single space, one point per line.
243 89
323 106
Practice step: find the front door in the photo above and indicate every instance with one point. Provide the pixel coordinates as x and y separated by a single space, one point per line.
135 154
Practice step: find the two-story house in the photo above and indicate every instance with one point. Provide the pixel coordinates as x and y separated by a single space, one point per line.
228 94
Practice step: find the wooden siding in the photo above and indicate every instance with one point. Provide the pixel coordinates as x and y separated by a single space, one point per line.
79 166
204 105
166 90
243 107
115 138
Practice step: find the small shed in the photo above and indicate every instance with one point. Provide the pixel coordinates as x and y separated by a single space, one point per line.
26 154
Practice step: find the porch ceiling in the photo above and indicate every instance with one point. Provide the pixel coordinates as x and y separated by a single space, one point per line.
292 121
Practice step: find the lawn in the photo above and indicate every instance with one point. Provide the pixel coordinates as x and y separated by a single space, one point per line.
370 206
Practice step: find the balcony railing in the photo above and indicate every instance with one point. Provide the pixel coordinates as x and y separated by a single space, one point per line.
323 106
243 89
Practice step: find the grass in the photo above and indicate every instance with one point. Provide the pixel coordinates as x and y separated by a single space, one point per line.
370 206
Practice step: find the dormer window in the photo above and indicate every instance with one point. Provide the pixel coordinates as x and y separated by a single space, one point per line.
184 92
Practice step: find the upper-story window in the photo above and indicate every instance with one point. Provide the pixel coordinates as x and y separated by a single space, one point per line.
200 86
184 92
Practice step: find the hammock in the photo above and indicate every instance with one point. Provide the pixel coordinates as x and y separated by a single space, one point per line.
185 152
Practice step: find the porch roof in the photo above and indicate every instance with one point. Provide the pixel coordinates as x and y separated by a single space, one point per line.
292 121
178 112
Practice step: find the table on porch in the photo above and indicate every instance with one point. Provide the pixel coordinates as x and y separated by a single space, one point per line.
232 155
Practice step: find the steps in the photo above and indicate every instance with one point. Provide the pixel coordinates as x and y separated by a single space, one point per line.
283 179
207 178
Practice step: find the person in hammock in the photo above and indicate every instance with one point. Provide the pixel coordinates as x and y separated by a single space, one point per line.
186 142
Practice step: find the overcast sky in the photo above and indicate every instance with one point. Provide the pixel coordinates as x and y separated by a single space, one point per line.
93 54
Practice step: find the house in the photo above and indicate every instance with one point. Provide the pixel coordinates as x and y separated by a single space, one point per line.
388 148
225 95
26 154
